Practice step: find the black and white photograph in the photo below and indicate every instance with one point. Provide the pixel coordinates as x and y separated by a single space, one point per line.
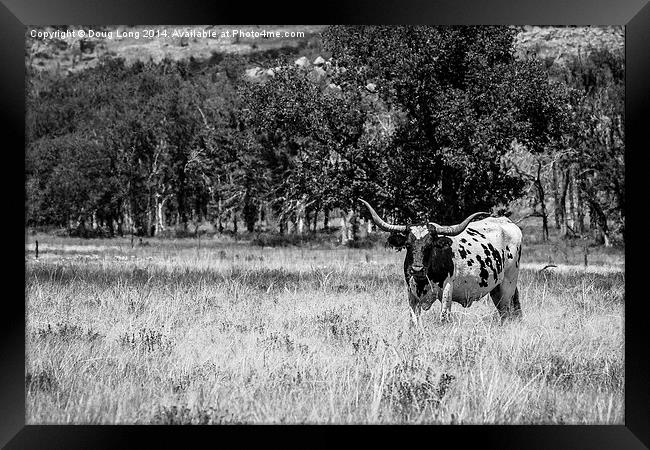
325 224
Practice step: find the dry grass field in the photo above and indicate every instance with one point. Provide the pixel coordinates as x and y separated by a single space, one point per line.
167 333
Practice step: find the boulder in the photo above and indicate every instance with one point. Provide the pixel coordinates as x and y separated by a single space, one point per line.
254 72
319 61
302 61
318 74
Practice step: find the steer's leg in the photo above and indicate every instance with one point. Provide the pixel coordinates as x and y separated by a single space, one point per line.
516 306
506 298
445 307
414 305
500 302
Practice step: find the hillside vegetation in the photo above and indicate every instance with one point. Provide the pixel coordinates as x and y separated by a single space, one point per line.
518 121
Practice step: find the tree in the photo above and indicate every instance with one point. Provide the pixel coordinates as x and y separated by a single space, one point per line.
465 100
593 165
309 140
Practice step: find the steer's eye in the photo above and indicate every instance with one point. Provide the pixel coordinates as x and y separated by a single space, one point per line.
397 241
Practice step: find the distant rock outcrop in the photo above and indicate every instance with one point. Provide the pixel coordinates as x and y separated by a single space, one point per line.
302 61
562 43
334 87
62 55
253 72
318 74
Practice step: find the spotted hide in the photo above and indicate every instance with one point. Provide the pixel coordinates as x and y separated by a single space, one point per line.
459 263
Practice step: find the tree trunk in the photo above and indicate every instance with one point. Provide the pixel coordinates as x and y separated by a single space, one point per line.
300 218
128 220
544 223
345 229
354 225
182 212
562 206
542 202
556 198
326 219
592 219
571 219
601 222
292 224
160 215
608 243
308 214
250 213
580 213
150 218
234 222
349 226
81 227
260 217
220 226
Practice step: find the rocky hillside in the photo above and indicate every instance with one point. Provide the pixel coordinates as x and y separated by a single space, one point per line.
560 42
141 43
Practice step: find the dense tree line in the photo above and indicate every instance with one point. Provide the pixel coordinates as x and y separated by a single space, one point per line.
424 122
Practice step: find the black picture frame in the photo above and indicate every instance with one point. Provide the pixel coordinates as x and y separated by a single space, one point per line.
16 15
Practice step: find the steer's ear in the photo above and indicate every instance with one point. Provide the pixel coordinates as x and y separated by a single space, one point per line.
397 240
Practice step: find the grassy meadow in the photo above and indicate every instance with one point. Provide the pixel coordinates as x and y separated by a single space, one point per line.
167 333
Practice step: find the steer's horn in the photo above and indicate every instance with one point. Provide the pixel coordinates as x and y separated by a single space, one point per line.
453 230
380 222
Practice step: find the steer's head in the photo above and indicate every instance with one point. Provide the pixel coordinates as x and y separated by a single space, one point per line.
424 244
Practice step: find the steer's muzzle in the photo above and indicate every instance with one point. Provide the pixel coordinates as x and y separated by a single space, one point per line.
417 270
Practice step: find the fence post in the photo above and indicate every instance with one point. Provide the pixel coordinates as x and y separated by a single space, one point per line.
36 249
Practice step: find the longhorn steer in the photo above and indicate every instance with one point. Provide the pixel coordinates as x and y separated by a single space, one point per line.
459 263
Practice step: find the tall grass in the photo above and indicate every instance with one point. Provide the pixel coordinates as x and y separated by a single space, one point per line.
233 333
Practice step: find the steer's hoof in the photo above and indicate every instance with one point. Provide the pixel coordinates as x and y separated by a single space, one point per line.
426 305
514 316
